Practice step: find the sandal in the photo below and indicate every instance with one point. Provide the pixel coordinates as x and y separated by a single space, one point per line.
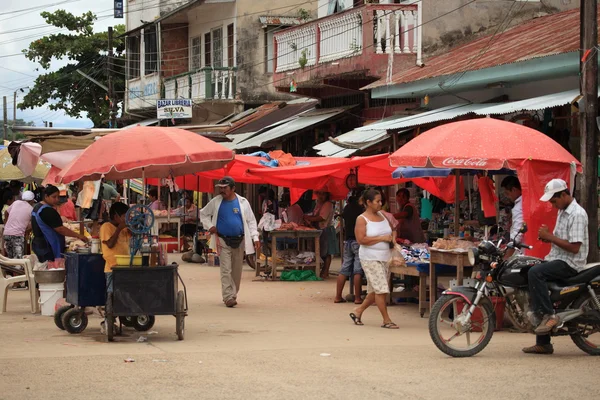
390 325
340 301
356 319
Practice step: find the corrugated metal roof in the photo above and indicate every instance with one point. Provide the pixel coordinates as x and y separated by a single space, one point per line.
539 37
440 114
235 139
269 114
536 103
299 123
357 139
275 20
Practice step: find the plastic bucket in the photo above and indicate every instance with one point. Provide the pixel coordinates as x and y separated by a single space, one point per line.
50 293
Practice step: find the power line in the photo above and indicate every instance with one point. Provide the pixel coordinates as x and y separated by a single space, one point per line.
38 7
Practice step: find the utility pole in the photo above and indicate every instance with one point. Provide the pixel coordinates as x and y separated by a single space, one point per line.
5 116
589 125
111 87
14 133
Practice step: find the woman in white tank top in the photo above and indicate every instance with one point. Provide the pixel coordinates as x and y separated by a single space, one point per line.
375 236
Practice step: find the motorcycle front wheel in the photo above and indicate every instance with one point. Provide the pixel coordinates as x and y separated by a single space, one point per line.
450 331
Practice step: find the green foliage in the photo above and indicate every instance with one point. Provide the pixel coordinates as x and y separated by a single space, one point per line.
303 15
86 50
303 60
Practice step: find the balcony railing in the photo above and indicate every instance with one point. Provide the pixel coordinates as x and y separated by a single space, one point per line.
371 28
204 84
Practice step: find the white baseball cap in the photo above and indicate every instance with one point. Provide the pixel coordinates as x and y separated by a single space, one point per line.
552 187
27 195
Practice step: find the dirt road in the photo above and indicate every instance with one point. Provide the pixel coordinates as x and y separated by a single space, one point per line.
270 347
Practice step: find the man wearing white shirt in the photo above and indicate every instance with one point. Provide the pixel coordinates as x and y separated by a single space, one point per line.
512 190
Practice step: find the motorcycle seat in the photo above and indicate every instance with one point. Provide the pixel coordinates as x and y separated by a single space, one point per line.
584 276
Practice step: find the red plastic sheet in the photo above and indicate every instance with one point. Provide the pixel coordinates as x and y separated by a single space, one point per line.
533 176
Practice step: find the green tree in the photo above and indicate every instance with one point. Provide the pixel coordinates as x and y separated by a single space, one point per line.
86 50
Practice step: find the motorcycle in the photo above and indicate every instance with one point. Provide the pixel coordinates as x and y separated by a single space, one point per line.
463 312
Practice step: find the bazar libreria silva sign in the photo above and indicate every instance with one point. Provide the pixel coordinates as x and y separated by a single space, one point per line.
174 109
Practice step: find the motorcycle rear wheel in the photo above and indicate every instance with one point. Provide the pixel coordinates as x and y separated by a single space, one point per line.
448 310
584 343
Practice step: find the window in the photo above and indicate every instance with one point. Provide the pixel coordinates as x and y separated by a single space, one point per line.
270 47
230 44
207 53
151 50
133 57
195 53
217 47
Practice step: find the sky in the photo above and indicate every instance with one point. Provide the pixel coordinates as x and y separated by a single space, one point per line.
18 72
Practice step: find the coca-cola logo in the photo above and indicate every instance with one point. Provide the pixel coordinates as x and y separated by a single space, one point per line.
465 162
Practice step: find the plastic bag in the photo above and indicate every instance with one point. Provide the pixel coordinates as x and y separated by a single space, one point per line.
396 257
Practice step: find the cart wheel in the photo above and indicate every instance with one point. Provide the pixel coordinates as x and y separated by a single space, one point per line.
126 321
59 314
110 319
251 260
143 323
180 316
74 320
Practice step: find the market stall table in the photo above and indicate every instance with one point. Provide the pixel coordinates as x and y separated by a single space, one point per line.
412 269
299 234
457 258
158 221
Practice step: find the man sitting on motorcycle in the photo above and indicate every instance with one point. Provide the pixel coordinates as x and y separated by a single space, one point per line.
567 258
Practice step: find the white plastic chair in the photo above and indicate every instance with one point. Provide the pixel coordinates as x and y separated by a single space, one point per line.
6 282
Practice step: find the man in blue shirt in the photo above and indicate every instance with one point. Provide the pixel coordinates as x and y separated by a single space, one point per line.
229 218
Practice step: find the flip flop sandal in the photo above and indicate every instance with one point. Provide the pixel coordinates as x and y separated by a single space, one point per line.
340 301
390 325
356 319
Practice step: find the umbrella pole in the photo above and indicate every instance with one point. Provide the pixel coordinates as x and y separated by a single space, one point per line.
457 203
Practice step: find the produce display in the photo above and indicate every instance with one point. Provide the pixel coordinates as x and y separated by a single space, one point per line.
453 244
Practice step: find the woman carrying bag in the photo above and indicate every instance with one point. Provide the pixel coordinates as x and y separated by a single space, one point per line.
374 234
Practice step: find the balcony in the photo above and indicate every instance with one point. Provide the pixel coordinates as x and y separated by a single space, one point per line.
356 42
204 84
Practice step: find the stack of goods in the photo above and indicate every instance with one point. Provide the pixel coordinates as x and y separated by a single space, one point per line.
291 257
453 244
161 213
416 254
73 243
294 227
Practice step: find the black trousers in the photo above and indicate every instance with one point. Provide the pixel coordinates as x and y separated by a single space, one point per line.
539 275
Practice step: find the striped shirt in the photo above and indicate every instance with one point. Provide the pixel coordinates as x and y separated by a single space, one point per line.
572 226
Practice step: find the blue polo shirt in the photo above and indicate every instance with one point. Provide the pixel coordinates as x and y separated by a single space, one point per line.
229 221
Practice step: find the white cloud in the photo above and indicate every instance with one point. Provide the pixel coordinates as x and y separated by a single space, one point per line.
12 43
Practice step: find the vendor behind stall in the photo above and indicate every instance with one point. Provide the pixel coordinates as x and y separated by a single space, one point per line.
48 230
322 218
409 226
115 238
190 212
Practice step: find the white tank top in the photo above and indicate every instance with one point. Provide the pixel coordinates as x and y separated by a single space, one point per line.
379 251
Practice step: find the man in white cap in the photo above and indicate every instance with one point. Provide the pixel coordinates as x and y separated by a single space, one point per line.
229 218
17 223
567 258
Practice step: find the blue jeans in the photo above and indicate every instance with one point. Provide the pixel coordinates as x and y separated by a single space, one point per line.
109 282
351 262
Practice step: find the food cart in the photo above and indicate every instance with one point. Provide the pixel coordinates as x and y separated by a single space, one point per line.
146 290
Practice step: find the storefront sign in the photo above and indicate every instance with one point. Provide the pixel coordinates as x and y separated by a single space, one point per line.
174 109
464 162
119 8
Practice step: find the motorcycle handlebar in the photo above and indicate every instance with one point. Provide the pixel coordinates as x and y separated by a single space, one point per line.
524 246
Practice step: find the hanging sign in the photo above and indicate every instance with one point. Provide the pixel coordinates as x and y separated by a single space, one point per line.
174 109
119 8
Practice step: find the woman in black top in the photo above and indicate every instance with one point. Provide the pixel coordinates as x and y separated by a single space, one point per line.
48 230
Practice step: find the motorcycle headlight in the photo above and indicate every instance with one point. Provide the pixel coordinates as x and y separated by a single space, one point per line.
473 255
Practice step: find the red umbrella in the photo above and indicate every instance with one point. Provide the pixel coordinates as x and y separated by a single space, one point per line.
486 144
151 151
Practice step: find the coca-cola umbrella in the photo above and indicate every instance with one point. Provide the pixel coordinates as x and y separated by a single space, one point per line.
491 144
157 152
485 143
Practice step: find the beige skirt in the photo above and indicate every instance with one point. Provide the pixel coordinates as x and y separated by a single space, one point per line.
378 276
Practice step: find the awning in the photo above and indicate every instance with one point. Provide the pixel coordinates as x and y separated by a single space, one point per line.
299 123
440 114
235 139
351 142
533 104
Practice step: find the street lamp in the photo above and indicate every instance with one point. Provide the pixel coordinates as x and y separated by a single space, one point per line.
14 133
